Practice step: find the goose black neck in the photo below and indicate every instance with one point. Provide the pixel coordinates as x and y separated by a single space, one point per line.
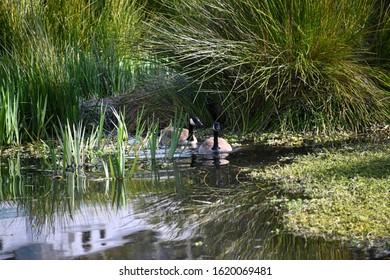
216 146
190 132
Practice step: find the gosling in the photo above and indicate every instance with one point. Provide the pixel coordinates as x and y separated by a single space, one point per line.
187 136
215 144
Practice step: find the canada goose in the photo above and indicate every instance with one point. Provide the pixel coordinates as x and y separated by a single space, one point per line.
215 144
186 136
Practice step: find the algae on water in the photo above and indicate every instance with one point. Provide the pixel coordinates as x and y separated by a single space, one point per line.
340 193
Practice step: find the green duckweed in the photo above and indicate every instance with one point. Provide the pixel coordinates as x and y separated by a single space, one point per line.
339 193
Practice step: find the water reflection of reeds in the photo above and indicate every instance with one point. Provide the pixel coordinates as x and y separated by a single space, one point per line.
45 197
180 208
244 227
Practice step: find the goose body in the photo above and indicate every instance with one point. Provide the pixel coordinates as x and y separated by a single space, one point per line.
215 144
186 135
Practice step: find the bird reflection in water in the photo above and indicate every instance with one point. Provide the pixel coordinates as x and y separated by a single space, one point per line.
212 160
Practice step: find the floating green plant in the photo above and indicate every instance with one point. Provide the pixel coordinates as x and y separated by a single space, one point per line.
341 193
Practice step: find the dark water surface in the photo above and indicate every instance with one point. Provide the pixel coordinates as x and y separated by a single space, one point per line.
192 209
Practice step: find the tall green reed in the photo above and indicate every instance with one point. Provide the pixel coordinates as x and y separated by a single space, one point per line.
133 146
153 137
56 53
119 193
140 140
178 124
117 162
9 118
77 147
99 132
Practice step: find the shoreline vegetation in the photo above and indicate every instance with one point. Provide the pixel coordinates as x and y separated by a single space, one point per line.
78 79
272 66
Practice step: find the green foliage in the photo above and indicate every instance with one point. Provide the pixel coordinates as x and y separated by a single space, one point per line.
299 65
380 45
9 118
76 146
178 124
117 162
53 54
153 138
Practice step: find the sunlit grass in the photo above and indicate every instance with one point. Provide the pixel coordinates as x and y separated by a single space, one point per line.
53 55
9 118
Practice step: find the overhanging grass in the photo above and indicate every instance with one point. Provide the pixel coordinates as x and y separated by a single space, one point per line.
294 65
380 46
338 193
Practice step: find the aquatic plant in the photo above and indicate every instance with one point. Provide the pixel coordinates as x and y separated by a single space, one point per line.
286 65
99 135
153 138
77 148
140 140
53 159
9 118
118 194
339 194
178 124
117 161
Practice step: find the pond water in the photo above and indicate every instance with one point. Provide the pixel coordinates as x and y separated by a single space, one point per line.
193 208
